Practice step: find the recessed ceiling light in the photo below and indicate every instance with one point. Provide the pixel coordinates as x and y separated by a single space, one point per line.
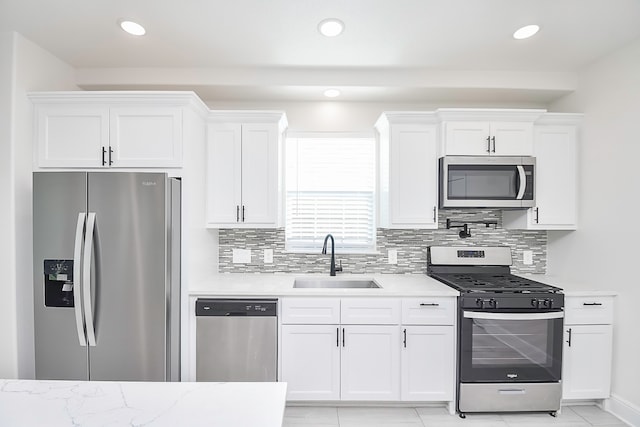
331 27
132 28
331 93
526 32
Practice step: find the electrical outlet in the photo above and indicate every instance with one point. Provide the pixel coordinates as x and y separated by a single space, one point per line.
242 256
527 257
268 256
392 254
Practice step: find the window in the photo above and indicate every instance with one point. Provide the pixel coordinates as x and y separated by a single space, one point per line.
330 188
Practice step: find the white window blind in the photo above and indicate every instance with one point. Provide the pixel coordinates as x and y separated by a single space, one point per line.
330 188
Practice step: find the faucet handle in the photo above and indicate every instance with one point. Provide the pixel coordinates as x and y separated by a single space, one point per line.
339 267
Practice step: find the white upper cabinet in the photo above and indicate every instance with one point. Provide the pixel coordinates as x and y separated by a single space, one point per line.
487 132
244 180
555 148
146 136
408 170
112 129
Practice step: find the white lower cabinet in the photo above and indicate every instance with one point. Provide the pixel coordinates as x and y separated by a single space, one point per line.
310 360
370 362
587 352
587 362
428 363
367 355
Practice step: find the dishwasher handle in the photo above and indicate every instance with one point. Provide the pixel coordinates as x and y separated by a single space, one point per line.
236 307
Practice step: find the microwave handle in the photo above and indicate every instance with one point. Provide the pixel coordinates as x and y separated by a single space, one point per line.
523 182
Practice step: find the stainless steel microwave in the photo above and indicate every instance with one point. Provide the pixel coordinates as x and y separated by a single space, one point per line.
487 182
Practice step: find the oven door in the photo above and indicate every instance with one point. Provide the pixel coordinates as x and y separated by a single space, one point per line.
510 347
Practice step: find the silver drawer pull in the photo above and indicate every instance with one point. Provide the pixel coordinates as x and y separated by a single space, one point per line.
429 304
591 303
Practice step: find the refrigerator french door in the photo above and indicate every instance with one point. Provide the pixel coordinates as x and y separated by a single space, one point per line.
106 276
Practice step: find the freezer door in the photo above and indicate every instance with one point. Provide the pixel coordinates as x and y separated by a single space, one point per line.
58 198
129 287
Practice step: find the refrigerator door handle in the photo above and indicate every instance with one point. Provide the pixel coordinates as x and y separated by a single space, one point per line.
86 278
77 297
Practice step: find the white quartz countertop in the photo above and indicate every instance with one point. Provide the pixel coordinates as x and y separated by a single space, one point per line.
569 286
266 284
156 404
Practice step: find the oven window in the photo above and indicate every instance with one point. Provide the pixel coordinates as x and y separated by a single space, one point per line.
510 343
482 182
498 350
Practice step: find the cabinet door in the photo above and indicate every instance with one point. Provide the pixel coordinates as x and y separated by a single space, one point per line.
586 363
370 363
413 177
259 174
467 138
70 136
310 360
511 138
428 363
556 176
224 177
146 137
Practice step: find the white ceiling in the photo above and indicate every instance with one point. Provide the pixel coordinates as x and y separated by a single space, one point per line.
401 50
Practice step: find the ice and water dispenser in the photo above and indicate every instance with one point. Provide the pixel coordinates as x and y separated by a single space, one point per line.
58 283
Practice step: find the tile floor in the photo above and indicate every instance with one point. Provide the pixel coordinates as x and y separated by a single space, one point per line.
570 416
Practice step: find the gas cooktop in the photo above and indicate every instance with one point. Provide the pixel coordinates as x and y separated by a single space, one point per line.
480 269
469 282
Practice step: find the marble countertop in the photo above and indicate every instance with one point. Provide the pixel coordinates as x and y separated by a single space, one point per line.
96 403
267 284
392 285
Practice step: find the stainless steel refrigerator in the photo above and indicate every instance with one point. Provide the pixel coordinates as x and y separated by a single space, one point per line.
106 258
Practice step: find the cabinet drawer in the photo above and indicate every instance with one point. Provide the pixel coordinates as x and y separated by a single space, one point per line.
372 311
319 311
428 311
589 310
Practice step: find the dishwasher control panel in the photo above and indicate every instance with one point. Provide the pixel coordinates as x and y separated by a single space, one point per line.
236 307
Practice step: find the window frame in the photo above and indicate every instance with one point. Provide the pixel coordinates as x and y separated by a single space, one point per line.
375 202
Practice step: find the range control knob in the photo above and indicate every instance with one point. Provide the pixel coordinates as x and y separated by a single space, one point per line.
547 303
535 303
493 303
480 302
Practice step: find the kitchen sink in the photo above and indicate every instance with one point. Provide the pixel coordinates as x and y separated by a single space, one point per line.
333 284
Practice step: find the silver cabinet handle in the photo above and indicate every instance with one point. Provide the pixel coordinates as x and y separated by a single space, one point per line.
591 303
86 279
493 139
429 304
569 340
77 271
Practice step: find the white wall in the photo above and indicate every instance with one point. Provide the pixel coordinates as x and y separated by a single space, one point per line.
604 250
8 355
35 70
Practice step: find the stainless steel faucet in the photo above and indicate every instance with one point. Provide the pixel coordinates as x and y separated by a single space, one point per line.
333 268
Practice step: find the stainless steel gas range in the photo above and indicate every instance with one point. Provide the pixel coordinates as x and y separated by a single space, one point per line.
509 332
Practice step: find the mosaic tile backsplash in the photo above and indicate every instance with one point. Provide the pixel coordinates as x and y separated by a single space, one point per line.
410 244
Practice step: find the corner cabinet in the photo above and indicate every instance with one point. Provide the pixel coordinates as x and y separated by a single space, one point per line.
244 177
408 170
487 132
555 147
587 352
112 129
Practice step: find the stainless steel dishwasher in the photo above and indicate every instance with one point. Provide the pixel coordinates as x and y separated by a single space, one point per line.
236 340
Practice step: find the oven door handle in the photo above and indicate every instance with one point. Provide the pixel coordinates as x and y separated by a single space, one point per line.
523 182
513 316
